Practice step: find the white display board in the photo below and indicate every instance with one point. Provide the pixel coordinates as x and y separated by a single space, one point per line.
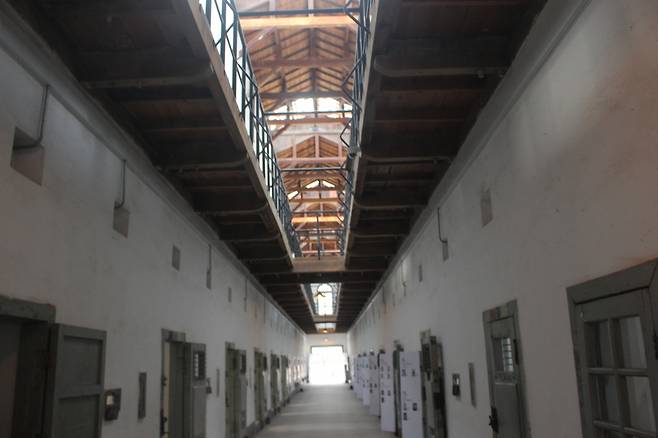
373 383
410 389
386 390
365 381
358 377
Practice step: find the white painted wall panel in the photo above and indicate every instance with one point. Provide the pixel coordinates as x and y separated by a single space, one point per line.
57 245
572 169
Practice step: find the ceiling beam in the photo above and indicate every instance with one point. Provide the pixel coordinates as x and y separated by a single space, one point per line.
461 3
393 199
310 121
302 94
311 22
419 58
314 219
314 62
302 12
312 160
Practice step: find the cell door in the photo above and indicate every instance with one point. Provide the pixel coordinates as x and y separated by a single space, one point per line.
173 413
507 419
74 406
396 390
411 395
365 380
284 379
194 387
231 397
259 390
374 384
615 340
387 415
274 381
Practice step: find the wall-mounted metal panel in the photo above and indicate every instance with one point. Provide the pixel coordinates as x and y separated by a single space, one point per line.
373 383
365 381
387 392
411 398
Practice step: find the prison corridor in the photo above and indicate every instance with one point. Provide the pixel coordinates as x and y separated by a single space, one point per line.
324 411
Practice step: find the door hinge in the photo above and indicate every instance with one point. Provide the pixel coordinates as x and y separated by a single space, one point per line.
655 345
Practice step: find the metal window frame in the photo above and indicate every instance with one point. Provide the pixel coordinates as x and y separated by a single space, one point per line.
643 277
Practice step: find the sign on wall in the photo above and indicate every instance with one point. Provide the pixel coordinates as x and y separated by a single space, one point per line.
410 388
365 381
373 380
387 394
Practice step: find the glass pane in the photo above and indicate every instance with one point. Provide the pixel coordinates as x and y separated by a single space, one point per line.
632 342
640 404
215 23
504 354
604 399
598 342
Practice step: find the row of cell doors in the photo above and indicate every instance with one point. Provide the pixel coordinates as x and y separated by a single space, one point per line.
405 389
271 386
615 341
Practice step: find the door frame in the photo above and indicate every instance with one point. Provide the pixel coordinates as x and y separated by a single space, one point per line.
26 310
507 310
40 317
170 336
636 278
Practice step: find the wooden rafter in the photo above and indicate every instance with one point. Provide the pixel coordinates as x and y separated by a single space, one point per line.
317 21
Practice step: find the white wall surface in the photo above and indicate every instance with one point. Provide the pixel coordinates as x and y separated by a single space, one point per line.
326 340
573 174
58 246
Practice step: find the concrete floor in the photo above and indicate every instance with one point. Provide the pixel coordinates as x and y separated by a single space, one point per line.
324 412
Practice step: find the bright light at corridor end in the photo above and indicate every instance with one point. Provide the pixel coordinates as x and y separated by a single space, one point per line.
327 365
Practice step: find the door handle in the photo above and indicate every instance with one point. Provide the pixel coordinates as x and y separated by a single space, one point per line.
493 419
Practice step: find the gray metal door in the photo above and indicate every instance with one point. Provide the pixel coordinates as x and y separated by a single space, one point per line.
618 372
274 380
232 369
397 390
31 380
194 378
259 386
241 392
507 418
434 417
174 421
74 405
284 379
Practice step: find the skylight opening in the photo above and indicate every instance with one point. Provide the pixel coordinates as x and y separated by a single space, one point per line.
302 105
324 299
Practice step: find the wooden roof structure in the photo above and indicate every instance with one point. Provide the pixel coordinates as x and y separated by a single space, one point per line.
314 194
303 61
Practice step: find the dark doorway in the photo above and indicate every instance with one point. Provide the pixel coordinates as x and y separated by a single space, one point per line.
51 375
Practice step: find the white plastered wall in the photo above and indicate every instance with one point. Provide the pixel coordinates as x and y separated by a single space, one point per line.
573 174
58 245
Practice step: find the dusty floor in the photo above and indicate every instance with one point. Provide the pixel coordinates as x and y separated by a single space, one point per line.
324 412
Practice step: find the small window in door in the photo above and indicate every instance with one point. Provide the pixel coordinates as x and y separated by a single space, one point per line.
614 333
